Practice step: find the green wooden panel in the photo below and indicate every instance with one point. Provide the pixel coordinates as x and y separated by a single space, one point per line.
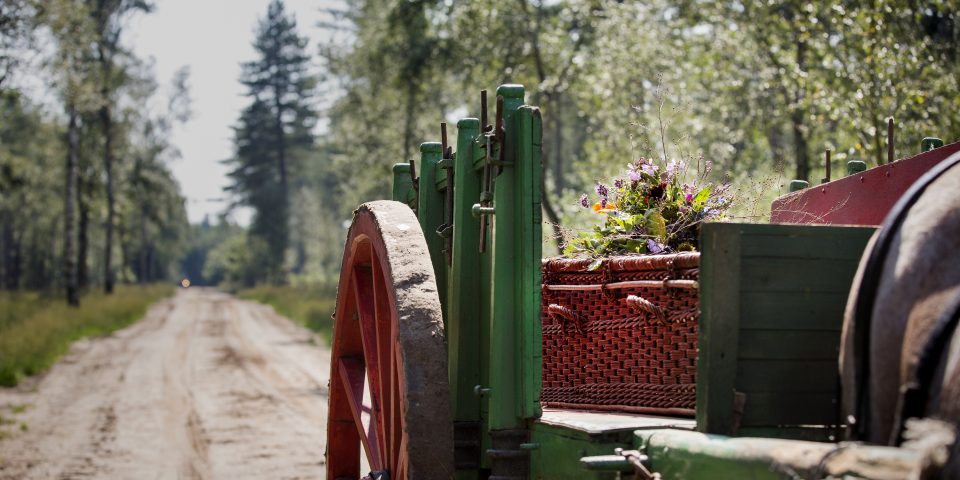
779 274
804 408
792 310
842 243
788 293
789 344
716 364
787 375
558 452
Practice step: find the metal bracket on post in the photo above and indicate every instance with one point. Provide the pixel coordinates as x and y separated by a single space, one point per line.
446 163
493 138
413 177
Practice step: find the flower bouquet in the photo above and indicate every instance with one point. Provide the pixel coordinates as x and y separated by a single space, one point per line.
650 210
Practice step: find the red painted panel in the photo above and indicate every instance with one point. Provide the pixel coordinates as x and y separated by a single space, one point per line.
861 199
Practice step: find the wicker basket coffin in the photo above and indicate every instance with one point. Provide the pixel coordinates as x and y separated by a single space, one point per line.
621 337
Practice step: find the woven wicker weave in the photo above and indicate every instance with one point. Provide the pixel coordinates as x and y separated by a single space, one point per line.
622 337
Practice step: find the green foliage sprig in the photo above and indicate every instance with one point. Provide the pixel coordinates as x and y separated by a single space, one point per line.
651 210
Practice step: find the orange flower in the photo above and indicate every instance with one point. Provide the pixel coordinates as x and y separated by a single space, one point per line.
604 210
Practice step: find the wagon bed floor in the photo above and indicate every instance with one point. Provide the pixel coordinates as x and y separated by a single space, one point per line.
606 422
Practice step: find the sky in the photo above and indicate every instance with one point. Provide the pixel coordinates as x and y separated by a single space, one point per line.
212 37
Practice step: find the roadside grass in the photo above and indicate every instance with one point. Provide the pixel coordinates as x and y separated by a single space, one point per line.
309 305
35 330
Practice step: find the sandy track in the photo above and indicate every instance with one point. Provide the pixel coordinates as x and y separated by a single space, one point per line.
206 386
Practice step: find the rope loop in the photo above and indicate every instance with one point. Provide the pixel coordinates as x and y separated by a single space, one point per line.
643 305
562 315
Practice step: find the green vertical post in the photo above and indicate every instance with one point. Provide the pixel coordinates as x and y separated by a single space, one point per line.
430 214
465 299
528 166
403 190
510 254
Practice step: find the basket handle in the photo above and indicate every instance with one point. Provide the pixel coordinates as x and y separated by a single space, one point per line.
643 305
561 314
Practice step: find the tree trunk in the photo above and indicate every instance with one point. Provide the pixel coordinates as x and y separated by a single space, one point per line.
9 259
69 196
142 273
106 122
796 121
558 183
83 277
411 112
284 214
800 144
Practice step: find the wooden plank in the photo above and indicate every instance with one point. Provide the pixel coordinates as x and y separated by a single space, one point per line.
782 409
823 243
595 423
772 274
719 327
812 434
792 310
789 344
809 376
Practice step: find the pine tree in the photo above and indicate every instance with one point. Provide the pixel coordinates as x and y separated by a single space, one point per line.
274 131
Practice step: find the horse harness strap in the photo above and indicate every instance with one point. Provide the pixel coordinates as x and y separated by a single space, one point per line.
870 282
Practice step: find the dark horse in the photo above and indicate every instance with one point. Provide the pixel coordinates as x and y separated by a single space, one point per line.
900 357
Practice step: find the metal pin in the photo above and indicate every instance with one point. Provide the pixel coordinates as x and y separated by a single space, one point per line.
890 140
500 134
448 208
483 110
826 165
413 176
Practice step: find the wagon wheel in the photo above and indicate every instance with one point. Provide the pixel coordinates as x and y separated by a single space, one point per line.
388 380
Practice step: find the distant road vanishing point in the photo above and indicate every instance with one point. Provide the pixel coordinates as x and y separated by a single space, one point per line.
206 386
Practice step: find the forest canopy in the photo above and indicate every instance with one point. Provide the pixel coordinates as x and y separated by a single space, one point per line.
759 89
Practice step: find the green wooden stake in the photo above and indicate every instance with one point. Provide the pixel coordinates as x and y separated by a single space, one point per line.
930 143
403 185
430 213
856 166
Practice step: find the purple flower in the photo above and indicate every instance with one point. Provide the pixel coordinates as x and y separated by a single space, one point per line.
584 202
653 246
673 168
602 190
633 173
688 198
683 209
649 169
618 183
603 203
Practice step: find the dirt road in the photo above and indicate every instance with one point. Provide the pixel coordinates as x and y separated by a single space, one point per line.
206 386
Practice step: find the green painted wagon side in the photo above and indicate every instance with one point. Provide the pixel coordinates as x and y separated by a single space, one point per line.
487 294
772 300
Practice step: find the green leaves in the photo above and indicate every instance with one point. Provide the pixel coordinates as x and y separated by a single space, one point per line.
701 197
656 225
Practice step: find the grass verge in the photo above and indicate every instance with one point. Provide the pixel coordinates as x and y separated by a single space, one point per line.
311 306
36 330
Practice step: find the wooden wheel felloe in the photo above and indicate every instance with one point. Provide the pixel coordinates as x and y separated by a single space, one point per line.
389 393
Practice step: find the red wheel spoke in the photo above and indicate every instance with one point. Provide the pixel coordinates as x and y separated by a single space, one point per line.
396 409
364 297
386 340
351 376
